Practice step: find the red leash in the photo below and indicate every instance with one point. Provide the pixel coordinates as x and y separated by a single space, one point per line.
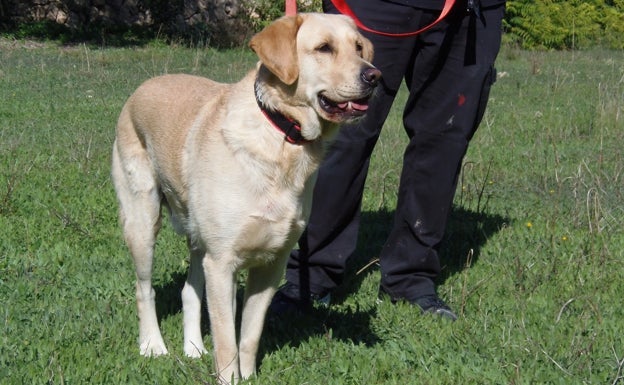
291 7
343 7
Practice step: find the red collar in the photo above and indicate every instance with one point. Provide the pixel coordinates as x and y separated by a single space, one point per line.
287 126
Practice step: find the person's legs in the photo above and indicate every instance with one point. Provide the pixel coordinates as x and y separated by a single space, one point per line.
449 88
440 118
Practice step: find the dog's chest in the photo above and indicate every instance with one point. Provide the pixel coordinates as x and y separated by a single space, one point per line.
274 225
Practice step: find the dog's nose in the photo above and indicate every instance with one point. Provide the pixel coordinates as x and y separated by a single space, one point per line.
371 76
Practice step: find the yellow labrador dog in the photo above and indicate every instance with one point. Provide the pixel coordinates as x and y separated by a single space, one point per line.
235 165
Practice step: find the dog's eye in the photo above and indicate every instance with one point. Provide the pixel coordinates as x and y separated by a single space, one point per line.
325 48
359 48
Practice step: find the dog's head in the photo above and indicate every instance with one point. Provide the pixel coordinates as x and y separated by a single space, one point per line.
322 62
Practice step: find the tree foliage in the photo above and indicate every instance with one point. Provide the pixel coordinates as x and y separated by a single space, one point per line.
565 24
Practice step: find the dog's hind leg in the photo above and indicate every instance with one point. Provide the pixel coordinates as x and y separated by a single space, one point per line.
139 212
262 282
192 295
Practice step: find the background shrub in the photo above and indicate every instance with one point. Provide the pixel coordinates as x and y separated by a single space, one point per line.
529 24
564 24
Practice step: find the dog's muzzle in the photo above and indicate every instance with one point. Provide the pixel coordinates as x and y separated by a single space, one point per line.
347 109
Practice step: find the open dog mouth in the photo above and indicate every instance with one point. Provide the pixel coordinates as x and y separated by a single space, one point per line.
344 109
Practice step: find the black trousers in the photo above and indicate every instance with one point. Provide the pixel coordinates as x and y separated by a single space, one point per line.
448 71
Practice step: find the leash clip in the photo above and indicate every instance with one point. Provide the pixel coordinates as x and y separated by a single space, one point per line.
474 7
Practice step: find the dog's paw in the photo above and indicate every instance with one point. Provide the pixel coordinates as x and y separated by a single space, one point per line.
194 350
151 349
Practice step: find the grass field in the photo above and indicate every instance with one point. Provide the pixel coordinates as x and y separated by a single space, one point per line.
532 262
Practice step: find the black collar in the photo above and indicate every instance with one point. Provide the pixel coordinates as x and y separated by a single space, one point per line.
289 127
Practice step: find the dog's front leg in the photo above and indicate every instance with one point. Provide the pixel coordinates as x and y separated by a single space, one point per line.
262 283
221 298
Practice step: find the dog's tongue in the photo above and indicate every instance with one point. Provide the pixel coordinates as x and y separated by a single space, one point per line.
359 105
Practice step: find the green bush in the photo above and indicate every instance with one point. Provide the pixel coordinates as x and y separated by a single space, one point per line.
262 12
561 24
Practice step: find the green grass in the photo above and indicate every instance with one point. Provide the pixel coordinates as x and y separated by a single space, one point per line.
532 262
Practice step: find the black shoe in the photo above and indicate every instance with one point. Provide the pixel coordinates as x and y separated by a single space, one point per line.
432 304
289 299
428 304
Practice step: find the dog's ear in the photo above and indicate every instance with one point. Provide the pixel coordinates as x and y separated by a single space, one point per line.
276 46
